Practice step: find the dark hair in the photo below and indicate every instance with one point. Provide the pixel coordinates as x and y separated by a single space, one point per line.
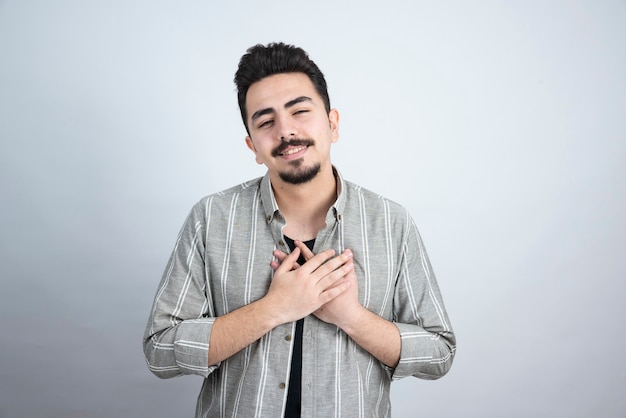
262 61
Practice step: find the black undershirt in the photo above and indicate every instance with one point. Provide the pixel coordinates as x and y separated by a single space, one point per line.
295 378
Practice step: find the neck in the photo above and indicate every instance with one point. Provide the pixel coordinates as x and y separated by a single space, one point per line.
305 206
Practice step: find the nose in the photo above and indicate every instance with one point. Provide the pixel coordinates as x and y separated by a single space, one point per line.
286 130
287 137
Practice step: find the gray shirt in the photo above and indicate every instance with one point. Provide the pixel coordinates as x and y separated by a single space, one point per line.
221 261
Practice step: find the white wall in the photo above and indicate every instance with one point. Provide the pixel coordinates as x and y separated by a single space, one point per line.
500 125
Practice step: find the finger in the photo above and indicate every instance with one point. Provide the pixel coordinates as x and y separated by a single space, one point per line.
280 255
334 291
306 252
335 276
289 262
275 264
317 260
334 263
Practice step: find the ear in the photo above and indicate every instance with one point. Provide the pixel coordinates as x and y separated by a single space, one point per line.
252 148
333 117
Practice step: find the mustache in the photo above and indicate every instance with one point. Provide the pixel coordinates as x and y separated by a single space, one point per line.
296 142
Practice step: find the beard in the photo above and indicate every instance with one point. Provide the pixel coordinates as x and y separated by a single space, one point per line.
299 174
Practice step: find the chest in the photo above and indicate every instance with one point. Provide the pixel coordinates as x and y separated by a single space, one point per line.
238 268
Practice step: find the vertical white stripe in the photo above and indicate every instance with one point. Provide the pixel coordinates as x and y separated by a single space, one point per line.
431 293
360 382
390 260
223 279
409 288
265 347
251 253
208 307
338 374
242 378
227 250
187 281
367 280
370 369
247 297
166 281
224 385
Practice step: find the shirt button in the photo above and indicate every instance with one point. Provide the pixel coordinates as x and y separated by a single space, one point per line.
282 386
287 337
281 243
269 218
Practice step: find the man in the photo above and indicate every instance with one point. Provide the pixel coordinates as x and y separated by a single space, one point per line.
298 293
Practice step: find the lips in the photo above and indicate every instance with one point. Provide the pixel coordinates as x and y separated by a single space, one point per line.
291 147
292 151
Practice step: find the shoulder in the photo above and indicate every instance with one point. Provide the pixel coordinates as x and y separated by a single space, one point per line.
378 213
225 197
371 201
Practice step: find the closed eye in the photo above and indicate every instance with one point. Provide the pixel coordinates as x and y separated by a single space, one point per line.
265 123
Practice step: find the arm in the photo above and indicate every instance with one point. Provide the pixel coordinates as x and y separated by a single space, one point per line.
183 335
428 341
376 335
176 339
373 333
293 294
420 341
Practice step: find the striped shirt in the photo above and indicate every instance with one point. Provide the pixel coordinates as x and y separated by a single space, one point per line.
221 262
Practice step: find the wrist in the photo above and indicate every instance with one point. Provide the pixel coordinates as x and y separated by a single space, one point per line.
353 320
268 312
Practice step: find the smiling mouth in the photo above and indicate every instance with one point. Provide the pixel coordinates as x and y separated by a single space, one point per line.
292 147
292 151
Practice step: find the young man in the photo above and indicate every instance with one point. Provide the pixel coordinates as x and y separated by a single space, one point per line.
298 293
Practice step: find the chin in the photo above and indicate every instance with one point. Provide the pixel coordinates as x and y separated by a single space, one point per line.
300 175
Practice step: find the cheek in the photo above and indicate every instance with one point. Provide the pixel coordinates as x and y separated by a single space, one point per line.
262 152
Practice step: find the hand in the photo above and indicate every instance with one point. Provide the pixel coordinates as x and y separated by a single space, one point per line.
376 335
340 310
297 291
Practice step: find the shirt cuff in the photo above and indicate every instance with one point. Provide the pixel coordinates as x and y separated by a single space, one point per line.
416 354
191 347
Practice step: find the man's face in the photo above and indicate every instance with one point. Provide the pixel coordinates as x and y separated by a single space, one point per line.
290 131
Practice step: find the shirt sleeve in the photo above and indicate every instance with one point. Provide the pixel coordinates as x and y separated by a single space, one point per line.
428 341
177 335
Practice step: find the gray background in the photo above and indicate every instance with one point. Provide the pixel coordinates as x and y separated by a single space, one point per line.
504 121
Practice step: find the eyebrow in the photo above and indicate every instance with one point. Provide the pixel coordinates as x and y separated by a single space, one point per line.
289 104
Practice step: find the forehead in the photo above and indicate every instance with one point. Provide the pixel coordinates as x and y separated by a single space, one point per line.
276 90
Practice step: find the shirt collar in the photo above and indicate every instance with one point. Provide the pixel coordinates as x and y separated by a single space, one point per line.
271 207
